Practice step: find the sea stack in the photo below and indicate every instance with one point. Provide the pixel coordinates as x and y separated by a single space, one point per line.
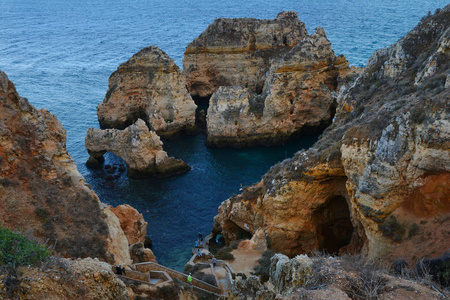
298 96
148 86
238 52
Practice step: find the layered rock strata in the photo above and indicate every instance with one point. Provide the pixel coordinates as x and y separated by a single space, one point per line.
299 95
140 149
148 86
377 181
41 190
238 52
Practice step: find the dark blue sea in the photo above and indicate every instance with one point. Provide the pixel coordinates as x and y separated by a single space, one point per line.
60 53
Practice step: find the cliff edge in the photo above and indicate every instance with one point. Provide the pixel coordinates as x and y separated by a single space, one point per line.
377 181
41 190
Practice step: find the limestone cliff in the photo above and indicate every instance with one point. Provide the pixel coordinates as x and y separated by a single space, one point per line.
377 181
299 95
238 52
140 149
148 86
41 190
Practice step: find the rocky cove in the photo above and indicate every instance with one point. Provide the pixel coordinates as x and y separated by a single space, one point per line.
375 183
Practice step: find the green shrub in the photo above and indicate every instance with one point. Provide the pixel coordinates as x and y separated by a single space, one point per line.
17 250
194 268
234 244
392 229
413 230
208 278
262 270
225 253
437 268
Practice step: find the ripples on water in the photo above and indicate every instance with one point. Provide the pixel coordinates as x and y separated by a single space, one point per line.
59 54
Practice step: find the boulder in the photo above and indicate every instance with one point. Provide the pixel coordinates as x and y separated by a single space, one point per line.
377 180
139 254
148 86
299 95
140 149
41 190
132 223
238 52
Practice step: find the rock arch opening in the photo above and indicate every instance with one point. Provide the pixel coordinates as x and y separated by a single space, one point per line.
333 226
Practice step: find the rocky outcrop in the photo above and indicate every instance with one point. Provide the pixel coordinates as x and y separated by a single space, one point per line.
377 181
62 278
238 52
299 95
350 277
41 190
140 149
132 223
148 86
139 254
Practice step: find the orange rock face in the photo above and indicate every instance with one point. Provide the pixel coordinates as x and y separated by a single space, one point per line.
132 223
377 180
41 190
238 52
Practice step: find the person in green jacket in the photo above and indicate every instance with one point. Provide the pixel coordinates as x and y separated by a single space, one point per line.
189 278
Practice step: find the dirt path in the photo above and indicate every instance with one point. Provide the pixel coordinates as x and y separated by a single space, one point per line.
245 258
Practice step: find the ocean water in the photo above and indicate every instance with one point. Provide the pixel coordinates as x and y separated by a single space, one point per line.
59 54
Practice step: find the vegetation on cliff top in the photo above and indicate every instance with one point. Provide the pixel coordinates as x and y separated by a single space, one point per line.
17 250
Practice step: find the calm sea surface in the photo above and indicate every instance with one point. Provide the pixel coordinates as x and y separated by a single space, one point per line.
59 54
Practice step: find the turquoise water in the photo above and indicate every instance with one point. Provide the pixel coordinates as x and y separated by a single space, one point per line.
60 54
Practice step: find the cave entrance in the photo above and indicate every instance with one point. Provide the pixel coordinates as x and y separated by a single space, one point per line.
234 232
334 228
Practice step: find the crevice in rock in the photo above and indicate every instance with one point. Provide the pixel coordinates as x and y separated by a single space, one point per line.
200 100
334 228
200 113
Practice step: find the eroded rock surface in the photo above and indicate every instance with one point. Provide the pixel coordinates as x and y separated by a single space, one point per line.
340 278
148 86
41 190
140 149
377 181
238 52
140 254
299 95
132 223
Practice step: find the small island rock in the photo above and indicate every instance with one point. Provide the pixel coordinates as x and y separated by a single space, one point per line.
140 149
